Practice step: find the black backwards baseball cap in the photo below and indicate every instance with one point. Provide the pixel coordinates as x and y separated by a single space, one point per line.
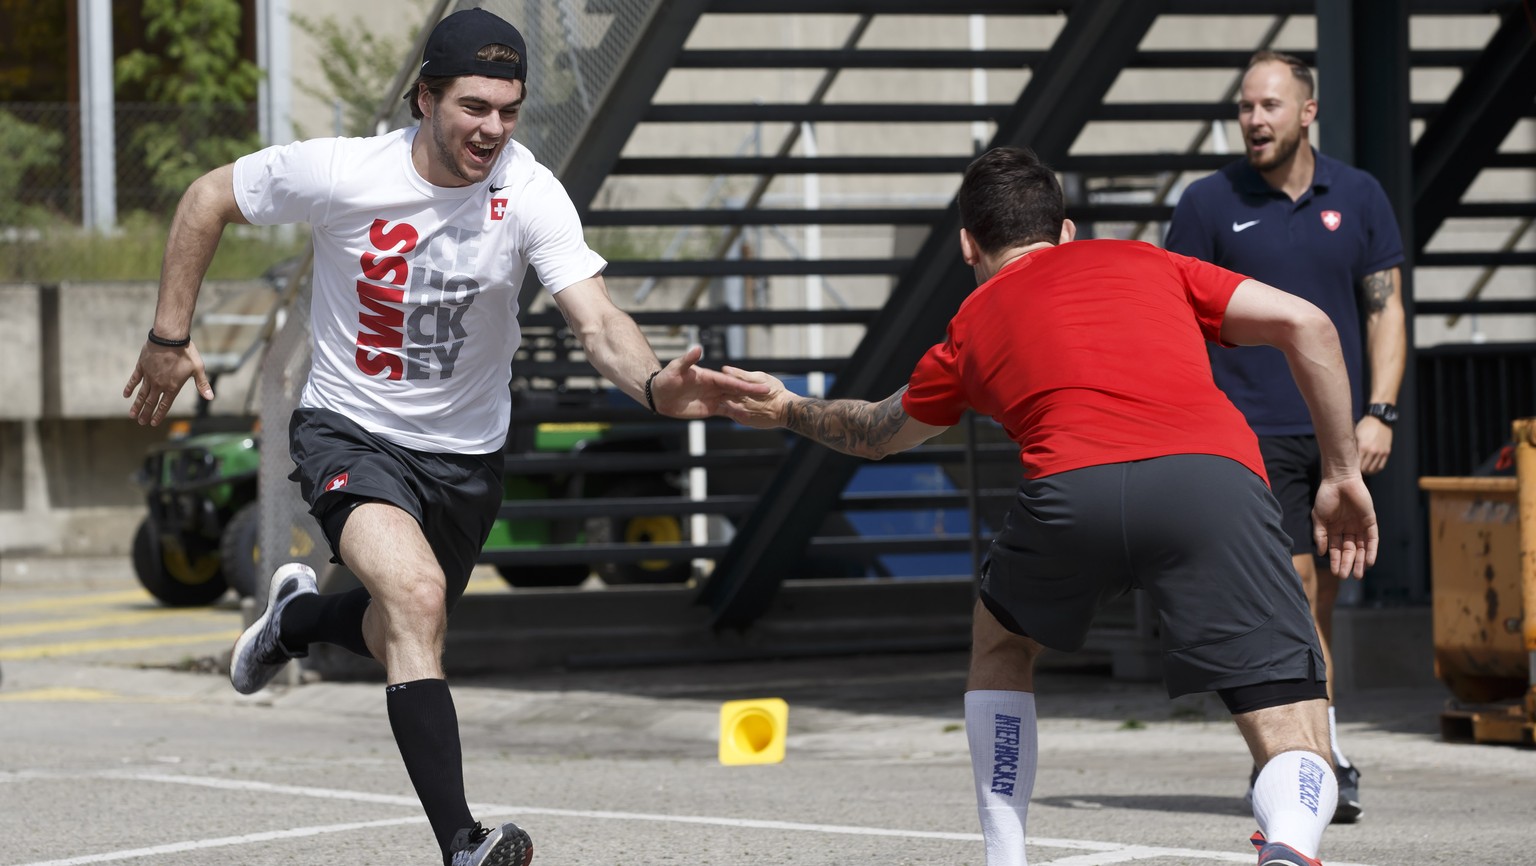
454 41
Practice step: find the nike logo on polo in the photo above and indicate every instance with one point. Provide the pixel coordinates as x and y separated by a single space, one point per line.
1237 226
496 189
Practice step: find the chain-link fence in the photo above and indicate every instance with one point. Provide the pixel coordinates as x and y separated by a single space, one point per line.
159 150
575 55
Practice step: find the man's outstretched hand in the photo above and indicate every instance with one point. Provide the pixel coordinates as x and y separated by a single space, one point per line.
685 390
765 410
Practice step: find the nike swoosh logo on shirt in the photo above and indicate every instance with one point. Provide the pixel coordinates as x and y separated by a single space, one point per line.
496 189
1237 226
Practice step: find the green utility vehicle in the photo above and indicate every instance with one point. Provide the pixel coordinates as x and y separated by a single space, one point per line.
200 536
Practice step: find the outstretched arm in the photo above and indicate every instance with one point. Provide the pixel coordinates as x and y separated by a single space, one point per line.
856 427
207 206
1344 519
617 348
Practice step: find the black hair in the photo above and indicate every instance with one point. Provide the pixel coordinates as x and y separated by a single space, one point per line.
1009 198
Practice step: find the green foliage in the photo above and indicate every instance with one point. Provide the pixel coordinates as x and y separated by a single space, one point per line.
358 65
23 147
198 68
59 251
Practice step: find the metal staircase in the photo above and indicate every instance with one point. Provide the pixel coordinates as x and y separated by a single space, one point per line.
1104 90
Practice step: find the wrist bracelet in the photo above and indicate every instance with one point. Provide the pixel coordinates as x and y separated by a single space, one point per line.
169 344
649 398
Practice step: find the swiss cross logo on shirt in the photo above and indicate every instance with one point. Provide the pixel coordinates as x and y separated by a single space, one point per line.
337 483
1331 220
498 208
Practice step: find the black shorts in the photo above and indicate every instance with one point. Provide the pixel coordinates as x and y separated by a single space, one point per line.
1295 470
1200 534
455 497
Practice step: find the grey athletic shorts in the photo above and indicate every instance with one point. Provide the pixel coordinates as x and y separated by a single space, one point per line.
1200 534
455 497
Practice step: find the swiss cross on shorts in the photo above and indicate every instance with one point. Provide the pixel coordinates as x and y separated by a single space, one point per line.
1331 220
498 208
336 483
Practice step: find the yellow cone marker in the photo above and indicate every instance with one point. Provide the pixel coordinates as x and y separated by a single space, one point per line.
752 732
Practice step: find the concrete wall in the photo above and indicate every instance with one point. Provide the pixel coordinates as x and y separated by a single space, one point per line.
67 446
20 354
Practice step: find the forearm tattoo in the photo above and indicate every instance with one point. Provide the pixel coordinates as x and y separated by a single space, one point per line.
850 426
1375 290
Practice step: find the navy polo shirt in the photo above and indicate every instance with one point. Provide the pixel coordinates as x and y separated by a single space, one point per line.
1318 247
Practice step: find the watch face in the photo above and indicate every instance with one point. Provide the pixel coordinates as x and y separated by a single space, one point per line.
1386 412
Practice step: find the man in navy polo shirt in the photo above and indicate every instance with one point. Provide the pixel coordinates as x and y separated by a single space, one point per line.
1313 226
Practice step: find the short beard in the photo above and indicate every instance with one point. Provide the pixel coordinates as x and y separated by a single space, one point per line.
445 155
1283 154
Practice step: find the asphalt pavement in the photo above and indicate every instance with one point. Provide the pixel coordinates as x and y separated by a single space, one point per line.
123 742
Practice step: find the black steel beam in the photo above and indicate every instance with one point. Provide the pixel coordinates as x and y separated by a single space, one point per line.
754 267
1465 134
851 316
1382 147
1099 37
1476 259
1476 308
764 217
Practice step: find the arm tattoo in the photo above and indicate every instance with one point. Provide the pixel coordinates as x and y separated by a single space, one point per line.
855 427
1375 289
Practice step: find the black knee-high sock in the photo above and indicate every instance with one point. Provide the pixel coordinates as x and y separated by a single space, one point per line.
427 731
335 617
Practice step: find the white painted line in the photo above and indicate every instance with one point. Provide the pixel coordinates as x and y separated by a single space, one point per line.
1102 853
227 841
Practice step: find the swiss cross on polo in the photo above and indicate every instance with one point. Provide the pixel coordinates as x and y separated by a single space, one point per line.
337 483
1332 219
498 208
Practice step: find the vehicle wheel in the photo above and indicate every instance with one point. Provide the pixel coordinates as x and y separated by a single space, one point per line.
642 529
240 549
543 575
172 575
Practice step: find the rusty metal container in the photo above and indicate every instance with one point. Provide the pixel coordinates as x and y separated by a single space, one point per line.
1474 556
1483 574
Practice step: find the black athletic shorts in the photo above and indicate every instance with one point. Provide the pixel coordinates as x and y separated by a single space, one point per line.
1200 534
455 497
1295 470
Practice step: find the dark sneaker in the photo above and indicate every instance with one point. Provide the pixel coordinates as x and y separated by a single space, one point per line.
506 845
1280 854
1349 810
258 654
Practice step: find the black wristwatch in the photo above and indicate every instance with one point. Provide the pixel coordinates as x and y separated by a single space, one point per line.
1386 413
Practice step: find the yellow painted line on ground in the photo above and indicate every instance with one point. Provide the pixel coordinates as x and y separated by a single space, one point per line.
111 644
105 620
60 694
77 600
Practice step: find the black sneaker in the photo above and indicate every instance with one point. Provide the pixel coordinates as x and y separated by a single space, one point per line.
1349 810
506 845
259 654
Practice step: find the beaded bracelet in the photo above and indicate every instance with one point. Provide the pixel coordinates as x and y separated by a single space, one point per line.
649 398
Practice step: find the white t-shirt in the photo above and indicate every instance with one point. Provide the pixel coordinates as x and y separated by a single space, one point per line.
414 310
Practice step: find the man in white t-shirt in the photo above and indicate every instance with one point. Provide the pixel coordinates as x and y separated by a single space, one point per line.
422 237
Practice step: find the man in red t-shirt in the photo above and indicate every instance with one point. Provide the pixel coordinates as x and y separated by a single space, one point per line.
1138 473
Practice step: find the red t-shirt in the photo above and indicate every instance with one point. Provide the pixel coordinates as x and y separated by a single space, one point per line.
1088 353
